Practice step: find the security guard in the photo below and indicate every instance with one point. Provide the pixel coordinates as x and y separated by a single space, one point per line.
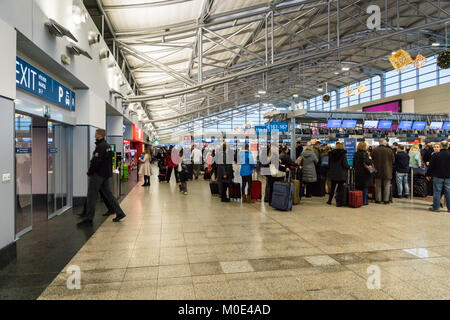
100 172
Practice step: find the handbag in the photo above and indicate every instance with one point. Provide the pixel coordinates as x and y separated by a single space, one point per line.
419 171
274 172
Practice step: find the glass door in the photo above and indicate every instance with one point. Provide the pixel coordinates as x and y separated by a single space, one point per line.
58 168
24 194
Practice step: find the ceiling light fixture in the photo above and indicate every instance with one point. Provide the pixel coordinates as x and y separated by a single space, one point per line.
320 89
262 92
435 44
345 68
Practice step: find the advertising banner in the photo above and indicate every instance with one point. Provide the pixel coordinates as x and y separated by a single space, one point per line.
350 146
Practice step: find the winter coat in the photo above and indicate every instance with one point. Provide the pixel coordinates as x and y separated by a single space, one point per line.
225 167
363 178
146 168
337 165
415 160
383 160
309 160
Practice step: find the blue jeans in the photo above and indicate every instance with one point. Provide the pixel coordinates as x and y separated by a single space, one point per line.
402 181
438 185
365 192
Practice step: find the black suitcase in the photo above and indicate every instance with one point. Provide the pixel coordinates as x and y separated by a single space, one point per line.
318 188
342 195
420 186
214 186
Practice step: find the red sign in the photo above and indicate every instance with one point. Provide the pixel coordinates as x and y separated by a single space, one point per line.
138 134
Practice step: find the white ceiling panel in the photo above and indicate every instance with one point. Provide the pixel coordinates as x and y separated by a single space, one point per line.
142 18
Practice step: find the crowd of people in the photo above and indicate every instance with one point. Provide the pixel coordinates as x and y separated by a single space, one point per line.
383 171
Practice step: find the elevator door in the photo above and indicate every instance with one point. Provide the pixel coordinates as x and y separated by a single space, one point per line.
24 193
58 169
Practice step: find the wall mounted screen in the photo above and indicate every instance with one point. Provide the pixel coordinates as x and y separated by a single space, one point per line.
371 124
436 125
334 124
446 126
405 125
385 125
419 125
349 124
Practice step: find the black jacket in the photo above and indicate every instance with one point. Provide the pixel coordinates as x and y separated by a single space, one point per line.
363 178
427 153
101 162
338 165
440 165
225 166
401 162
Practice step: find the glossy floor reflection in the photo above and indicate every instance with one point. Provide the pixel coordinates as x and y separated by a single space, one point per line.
173 246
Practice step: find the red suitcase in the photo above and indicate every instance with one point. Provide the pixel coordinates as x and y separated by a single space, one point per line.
355 198
235 191
256 190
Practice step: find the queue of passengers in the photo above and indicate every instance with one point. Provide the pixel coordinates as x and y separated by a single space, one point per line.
383 171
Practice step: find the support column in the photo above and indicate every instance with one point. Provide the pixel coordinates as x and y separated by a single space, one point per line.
293 140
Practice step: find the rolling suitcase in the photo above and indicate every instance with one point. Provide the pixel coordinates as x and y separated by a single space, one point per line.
214 187
256 192
235 191
355 197
318 188
296 198
282 195
207 174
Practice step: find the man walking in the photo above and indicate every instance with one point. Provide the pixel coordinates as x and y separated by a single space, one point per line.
439 170
197 161
383 160
100 172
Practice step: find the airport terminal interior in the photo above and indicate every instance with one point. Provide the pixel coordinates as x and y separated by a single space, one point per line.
225 150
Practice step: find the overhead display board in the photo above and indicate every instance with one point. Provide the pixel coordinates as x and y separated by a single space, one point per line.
30 79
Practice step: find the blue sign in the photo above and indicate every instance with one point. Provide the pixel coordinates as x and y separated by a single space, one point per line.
261 130
52 150
32 80
350 146
342 135
279 126
23 150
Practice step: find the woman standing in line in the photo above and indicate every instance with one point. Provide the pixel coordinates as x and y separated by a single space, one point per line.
247 167
309 174
146 167
415 159
363 176
338 172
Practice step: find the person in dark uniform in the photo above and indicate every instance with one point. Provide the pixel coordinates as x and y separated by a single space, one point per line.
100 172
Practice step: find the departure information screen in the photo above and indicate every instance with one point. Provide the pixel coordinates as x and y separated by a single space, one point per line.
334 124
371 124
405 125
446 126
436 125
419 125
385 125
349 124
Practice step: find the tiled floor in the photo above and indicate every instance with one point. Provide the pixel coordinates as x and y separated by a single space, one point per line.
173 246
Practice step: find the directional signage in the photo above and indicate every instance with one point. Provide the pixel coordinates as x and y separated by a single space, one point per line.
279 126
32 80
